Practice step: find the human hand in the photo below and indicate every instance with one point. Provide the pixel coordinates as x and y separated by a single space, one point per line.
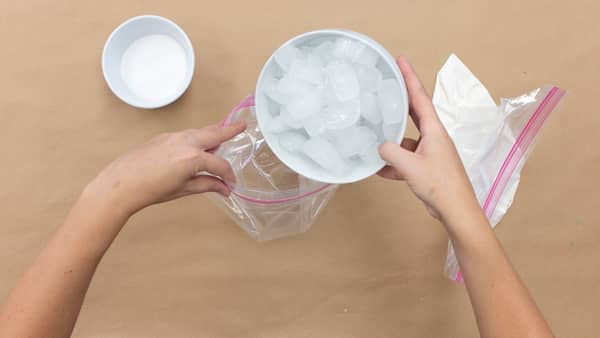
165 168
430 166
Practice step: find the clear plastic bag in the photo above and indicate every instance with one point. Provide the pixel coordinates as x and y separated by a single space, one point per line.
268 200
495 162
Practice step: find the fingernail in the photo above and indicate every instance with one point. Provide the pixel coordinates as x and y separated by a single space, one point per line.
384 145
225 192
238 124
229 177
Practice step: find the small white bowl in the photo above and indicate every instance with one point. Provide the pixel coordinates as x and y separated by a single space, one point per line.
302 165
127 33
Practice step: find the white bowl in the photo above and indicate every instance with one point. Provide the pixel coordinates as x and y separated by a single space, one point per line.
127 33
302 165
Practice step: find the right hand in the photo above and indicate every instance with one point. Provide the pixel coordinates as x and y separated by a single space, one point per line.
430 166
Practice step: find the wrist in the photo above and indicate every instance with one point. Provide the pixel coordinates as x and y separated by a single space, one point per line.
108 198
103 205
91 225
462 214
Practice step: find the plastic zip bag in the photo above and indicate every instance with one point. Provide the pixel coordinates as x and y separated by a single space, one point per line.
268 200
494 167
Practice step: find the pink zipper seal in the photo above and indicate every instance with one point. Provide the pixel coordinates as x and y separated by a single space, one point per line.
518 150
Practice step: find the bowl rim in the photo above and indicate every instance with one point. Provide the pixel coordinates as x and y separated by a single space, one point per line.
190 70
389 59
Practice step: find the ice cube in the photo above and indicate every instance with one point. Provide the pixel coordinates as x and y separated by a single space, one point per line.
369 78
369 108
371 155
285 55
273 107
347 49
390 102
276 125
378 129
314 125
314 60
367 57
271 89
292 141
354 140
301 107
289 119
324 51
390 131
309 70
292 86
329 95
342 77
340 115
385 70
273 71
324 154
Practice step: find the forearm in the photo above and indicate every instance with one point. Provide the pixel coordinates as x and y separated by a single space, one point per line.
502 305
47 299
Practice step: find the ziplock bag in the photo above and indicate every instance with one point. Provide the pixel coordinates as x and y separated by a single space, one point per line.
268 200
494 147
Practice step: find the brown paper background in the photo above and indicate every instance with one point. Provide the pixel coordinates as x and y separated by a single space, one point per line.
372 265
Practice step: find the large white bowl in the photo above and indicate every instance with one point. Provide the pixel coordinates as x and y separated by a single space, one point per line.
302 165
122 37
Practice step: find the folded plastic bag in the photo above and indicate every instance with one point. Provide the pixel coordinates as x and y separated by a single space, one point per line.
493 142
268 200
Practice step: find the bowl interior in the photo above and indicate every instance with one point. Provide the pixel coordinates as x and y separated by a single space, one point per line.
123 37
301 164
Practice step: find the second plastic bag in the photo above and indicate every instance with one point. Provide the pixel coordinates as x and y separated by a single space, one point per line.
493 141
268 200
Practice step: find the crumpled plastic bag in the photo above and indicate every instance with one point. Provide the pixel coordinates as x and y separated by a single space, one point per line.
268 200
493 141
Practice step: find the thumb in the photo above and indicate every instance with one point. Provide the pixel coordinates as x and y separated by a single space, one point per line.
403 161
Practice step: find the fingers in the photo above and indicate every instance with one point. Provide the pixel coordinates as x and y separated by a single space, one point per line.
215 165
390 173
205 183
403 161
421 106
212 136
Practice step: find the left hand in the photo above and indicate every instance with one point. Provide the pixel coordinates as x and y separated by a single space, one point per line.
165 168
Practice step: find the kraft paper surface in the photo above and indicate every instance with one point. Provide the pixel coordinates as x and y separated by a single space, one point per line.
372 265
